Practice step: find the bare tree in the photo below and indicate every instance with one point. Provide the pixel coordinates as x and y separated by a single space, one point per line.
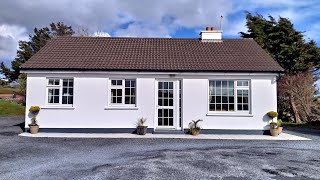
296 97
83 31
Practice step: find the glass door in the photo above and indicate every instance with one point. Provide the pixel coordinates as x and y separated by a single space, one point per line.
166 104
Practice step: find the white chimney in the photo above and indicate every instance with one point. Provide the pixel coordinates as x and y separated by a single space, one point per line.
211 34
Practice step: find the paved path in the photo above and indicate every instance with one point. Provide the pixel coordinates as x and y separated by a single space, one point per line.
283 136
81 158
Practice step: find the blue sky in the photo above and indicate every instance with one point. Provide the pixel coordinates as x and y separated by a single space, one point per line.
146 18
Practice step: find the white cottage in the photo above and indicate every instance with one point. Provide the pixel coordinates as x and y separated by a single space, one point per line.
100 84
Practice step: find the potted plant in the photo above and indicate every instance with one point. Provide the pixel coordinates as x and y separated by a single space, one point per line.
274 129
194 127
34 127
141 128
273 125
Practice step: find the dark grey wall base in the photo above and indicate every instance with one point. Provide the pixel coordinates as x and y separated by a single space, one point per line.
231 131
91 130
150 130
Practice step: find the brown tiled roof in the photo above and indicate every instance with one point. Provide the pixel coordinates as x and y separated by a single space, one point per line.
151 54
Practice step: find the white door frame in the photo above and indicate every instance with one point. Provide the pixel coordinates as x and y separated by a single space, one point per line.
175 104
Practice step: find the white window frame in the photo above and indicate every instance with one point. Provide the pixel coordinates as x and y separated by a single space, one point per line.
122 104
60 87
236 87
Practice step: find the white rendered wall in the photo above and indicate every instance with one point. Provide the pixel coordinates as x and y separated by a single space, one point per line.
91 98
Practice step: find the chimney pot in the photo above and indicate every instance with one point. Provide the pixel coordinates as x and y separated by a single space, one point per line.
213 28
207 28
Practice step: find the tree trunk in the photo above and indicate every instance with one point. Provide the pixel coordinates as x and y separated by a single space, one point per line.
294 109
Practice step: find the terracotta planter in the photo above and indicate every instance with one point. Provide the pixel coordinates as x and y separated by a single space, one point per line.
34 129
142 130
280 130
195 132
274 132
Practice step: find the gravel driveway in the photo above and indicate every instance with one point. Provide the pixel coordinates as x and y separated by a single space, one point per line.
59 158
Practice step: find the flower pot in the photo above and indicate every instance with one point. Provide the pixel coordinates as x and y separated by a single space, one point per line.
280 130
142 130
195 132
274 132
34 128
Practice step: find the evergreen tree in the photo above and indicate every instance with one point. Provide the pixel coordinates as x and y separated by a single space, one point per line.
283 42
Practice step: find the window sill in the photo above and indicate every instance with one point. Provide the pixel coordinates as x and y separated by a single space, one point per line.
121 108
58 107
229 115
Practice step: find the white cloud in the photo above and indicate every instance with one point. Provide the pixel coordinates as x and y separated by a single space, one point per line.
101 34
9 37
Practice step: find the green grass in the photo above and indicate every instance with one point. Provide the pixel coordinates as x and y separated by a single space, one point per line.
8 90
11 108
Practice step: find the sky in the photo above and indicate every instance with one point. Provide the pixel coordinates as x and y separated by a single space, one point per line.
147 18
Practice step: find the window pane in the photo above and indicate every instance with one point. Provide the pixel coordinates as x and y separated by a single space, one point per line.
133 83
65 82
166 102
127 83
127 91
133 100
70 82
224 107
239 83
56 99
218 84
231 92
113 100
70 91
239 107
160 84
170 85
114 82
239 99
212 107
218 107
224 91
165 85
127 100
246 83
119 99
218 99
231 107
224 84
231 84
224 99
51 81
113 92
245 107
245 92
70 99
170 102
133 91
212 99
119 82
231 99
239 92
56 92
245 99
64 100
119 92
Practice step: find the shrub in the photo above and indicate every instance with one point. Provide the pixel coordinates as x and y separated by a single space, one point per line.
194 125
34 109
272 114
34 120
274 125
279 122
141 121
